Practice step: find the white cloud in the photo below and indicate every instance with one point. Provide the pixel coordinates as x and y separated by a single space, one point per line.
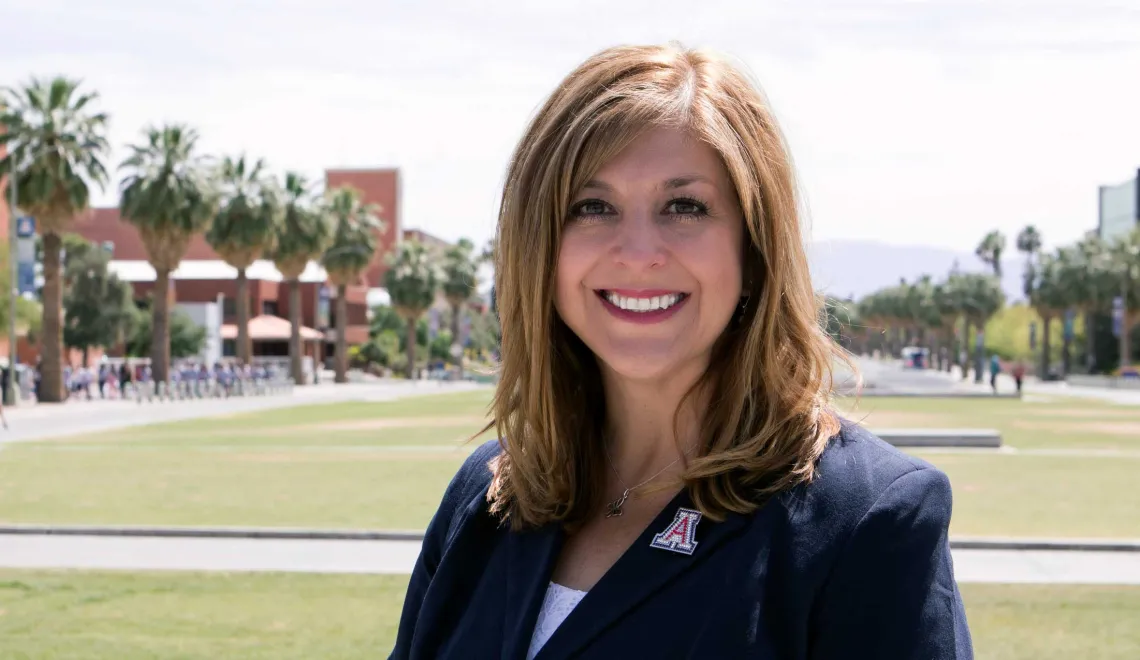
910 122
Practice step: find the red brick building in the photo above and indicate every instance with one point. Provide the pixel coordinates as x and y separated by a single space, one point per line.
203 276
380 187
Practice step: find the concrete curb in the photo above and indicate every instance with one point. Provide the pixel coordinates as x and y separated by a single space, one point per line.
956 543
1068 545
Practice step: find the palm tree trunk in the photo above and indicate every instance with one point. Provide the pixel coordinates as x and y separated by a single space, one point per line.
1045 356
1126 338
411 348
160 325
295 332
244 348
86 349
51 340
458 359
964 349
1090 341
1066 342
341 342
980 353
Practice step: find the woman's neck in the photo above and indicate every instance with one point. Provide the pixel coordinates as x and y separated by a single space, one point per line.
640 433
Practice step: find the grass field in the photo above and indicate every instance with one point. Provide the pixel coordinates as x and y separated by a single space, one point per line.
184 616
384 465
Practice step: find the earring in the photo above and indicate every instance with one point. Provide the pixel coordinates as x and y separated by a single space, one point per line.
741 308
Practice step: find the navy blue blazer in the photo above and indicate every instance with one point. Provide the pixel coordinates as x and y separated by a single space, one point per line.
854 565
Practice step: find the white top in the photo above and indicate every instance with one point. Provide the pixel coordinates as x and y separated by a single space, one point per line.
556 606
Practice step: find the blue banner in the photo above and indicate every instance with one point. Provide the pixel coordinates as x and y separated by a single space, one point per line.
25 226
26 278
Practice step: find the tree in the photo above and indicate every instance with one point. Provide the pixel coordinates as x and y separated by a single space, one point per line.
57 144
1029 243
1048 300
29 313
186 337
990 249
412 282
982 297
302 236
352 249
168 197
1125 256
245 227
99 307
459 282
1094 287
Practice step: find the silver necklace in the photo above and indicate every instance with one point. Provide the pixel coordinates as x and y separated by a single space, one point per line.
614 508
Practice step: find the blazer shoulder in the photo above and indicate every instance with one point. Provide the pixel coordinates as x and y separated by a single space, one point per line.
853 474
474 476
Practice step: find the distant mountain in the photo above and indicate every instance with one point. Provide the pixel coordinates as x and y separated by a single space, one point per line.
855 268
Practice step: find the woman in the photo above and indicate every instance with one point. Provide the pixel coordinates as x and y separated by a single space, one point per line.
671 482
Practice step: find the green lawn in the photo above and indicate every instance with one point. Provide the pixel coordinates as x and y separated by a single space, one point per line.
385 465
183 616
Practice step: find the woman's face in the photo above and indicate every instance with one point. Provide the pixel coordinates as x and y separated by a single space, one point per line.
649 270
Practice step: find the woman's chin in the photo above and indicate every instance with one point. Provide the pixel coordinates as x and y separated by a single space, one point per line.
648 367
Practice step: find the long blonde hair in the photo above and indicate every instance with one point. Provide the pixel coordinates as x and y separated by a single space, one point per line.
769 379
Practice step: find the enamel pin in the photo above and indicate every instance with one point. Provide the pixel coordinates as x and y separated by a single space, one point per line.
680 535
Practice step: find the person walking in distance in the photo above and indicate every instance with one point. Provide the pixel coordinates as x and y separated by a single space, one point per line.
1018 374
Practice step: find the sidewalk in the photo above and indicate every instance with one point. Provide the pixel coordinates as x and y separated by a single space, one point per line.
85 417
398 557
893 370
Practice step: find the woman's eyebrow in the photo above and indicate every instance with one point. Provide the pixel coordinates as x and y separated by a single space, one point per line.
595 184
684 180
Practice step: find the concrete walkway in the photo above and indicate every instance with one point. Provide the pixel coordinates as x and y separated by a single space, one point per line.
85 417
892 375
398 557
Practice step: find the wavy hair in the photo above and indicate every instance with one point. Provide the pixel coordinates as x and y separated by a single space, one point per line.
767 385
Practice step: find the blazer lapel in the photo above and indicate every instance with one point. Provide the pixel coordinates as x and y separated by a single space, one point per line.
658 556
530 562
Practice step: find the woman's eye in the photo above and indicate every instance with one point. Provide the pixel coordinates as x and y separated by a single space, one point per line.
688 207
590 207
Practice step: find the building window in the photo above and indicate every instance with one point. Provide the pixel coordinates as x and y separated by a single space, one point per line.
269 307
229 307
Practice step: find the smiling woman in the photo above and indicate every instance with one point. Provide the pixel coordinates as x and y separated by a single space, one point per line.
671 479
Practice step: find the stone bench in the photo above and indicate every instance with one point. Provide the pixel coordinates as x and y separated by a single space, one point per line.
990 438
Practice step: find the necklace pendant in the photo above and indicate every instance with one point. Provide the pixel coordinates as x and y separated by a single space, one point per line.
613 509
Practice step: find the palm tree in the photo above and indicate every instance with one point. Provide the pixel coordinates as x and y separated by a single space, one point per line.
169 198
990 249
1029 242
982 297
1125 254
1048 299
244 229
351 251
1094 287
56 146
302 235
946 310
412 282
458 285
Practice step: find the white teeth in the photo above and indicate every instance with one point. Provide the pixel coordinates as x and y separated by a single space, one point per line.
643 304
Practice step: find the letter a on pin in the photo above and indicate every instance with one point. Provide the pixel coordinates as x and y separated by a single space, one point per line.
680 535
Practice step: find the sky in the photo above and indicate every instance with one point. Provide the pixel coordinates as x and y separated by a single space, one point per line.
924 123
